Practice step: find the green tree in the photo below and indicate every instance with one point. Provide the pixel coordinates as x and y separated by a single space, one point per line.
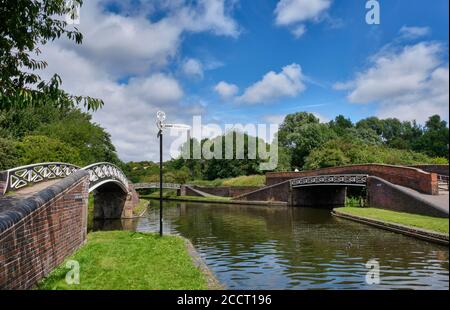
435 139
77 130
37 149
24 26
322 158
8 154
302 132
340 124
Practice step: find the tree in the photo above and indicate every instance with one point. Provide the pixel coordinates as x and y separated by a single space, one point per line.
38 149
322 158
77 130
24 26
340 124
435 139
302 132
8 154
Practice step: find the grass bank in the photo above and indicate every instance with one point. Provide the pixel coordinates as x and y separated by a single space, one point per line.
122 260
435 224
246 180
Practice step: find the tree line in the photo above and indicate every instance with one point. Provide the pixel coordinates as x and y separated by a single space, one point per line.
306 143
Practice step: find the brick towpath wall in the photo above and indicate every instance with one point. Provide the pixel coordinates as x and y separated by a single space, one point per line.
37 233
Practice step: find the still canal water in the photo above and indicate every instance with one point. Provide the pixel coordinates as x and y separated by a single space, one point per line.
256 247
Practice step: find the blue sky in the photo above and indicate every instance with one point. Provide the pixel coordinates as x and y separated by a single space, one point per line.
241 61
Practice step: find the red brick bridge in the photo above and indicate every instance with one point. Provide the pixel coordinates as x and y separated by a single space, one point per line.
399 188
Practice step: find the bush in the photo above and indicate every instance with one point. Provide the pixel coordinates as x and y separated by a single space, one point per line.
343 151
8 154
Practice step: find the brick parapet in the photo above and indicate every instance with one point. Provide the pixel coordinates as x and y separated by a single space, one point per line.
37 233
414 178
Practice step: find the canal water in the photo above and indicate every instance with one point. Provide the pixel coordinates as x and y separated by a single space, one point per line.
258 247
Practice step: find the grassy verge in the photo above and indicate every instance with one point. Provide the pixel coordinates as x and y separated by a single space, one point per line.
122 260
249 180
440 225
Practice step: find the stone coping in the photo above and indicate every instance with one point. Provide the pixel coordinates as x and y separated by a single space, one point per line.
211 279
15 210
423 234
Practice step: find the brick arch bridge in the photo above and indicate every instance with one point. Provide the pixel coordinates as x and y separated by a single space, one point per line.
399 188
114 195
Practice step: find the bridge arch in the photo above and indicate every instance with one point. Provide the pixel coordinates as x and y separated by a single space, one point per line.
324 190
114 197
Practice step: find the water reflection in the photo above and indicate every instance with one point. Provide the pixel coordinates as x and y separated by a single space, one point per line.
256 247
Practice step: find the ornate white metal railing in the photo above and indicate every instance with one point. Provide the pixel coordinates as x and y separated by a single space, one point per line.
99 174
343 179
156 185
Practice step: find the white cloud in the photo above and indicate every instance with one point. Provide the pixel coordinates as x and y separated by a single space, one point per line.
411 83
414 32
289 12
299 31
135 44
287 83
193 67
117 47
226 90
295 13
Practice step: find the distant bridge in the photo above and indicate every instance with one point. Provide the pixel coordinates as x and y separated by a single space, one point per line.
156 185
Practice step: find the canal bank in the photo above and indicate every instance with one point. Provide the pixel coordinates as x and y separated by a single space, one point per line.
403 223
263 247
124 260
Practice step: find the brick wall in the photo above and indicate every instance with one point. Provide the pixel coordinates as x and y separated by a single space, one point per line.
385 195
414 178
439 169
276 192
39 232
226 191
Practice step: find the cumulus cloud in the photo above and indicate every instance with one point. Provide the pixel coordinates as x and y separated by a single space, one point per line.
414 32
122 59
287 83
134 43
193 67
296 12
410 83
226 90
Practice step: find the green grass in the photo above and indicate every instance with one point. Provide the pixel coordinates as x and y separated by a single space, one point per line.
246 180
122 260
440 225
